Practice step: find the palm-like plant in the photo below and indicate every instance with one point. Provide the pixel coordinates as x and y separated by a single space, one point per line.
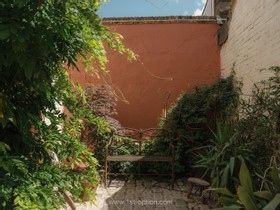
246 198
222 156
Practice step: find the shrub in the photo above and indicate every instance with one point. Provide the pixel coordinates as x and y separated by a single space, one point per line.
260 119
37 39
254 133
246 196
102 103
192 115
28 176
222 156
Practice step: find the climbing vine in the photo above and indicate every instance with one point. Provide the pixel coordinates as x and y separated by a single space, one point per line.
194 114
38 38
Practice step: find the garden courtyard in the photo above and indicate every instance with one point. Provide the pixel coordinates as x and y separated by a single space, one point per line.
145 193
196 102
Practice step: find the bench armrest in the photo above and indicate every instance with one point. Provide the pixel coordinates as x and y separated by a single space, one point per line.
108 145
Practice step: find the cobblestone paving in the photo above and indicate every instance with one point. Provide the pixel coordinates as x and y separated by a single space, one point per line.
144 194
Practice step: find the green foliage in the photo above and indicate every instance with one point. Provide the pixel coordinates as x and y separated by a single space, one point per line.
37 39
259 123
192 115
249 199
124 146
102 102
28 177
257 129
126 141
222 156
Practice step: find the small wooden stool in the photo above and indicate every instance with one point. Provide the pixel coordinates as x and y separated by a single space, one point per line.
199 183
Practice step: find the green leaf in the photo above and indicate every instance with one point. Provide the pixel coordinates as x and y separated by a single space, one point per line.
275 178
233 207
29 68
224 179
264 194
223 191
20 3
4 32
274 203
4 147
245 178
232 163
28 73
228 201
247 199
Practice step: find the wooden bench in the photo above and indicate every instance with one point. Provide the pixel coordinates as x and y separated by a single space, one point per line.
136 138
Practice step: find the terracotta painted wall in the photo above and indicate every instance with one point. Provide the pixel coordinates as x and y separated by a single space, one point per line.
174 57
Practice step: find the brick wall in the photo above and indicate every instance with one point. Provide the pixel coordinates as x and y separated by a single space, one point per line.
254 40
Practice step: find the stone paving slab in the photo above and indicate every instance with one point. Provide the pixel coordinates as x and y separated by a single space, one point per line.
143 194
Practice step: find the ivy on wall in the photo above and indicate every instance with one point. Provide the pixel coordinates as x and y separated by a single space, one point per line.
194 113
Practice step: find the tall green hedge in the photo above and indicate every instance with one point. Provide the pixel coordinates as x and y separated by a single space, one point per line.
189 120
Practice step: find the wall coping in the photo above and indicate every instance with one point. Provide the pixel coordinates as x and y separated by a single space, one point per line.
156 20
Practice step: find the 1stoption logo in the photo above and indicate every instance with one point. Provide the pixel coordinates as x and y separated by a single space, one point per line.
146 202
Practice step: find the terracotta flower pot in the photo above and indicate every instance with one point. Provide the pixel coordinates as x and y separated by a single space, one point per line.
92 187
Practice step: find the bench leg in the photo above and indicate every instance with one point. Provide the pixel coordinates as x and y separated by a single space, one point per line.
105 173
190 191
172 175
203 196
138 170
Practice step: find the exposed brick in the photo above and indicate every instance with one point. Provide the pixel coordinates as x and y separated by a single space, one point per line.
253 42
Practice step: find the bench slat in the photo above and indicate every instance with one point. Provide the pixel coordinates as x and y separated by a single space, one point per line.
139 158
135 137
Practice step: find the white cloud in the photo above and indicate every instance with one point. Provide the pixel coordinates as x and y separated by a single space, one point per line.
198 12
200 5
185 13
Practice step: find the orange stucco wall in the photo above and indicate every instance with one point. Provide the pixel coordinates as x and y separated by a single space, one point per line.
173 58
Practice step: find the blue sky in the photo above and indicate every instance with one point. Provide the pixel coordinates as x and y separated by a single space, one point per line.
142 8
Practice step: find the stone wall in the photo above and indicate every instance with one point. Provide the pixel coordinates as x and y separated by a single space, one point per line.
253 40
